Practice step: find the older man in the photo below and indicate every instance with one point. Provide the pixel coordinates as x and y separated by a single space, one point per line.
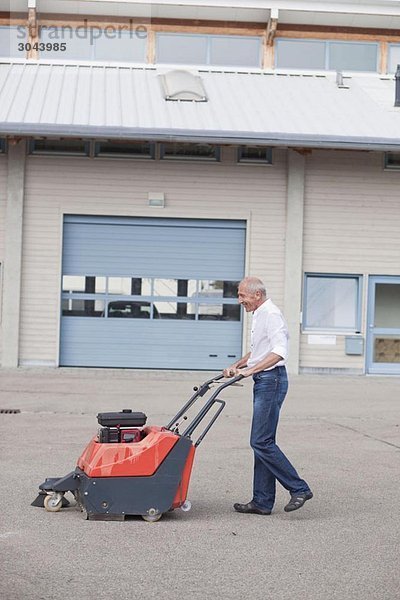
266 363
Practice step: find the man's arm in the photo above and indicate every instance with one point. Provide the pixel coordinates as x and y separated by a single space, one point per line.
278 337
232 370
269 361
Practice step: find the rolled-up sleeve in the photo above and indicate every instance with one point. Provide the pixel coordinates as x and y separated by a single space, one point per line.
278 335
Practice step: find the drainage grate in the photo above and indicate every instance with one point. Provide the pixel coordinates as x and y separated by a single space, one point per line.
9 411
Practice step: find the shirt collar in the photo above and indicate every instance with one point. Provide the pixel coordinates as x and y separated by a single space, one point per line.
262 308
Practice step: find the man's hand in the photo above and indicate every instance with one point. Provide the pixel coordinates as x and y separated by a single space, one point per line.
234 372
230 371
244 372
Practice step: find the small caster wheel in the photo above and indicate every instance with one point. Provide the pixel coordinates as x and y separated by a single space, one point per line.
53 502
186 506
152 515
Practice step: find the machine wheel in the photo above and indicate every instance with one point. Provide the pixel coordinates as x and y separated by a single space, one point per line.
151 518
186 506
53 502
152 515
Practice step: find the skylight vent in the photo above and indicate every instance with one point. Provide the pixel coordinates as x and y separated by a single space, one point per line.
183 85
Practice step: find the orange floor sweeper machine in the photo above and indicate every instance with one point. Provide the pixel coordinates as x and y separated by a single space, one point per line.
132 469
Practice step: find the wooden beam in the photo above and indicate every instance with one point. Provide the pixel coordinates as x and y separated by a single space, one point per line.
271 31
328 35
151 47
156 24
268 57
383 57
303 151
33 33
10 19
337 29
268 53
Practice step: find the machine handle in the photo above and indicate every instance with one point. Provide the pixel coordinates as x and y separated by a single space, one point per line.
211 423
198 392
200 416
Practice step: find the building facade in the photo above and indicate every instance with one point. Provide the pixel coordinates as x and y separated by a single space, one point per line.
171 150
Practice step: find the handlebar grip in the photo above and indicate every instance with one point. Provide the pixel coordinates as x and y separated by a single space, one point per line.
235 379
218 377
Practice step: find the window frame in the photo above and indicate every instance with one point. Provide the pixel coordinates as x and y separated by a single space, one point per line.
254 161
32 151
305 328
215 159
390 46
388 167
327 43
150 156
20 54
208 38
193 303
92 56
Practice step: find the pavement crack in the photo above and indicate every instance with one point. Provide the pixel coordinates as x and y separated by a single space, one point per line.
367 435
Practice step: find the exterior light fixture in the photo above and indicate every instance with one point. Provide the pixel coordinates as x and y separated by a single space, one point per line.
156 199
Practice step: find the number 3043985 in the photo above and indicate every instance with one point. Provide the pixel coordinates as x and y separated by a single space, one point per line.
42 47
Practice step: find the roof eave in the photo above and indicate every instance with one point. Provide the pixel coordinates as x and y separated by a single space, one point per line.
212 137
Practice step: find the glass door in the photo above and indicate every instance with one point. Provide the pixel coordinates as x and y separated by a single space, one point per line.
383 337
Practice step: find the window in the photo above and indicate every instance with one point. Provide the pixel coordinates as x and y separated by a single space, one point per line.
219 50
78 45
254 154
83 285
109 44
2 145
181 49
219 312
149 298
131 310
235 51
352 56
394 57
120 149
392 160
300 54
12 41
72 307
189 151
124 46
326 55
332 302
62 146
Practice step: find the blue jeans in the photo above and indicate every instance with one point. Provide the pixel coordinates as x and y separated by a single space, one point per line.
270 464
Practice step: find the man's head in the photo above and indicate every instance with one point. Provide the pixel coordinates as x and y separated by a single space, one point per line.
251 293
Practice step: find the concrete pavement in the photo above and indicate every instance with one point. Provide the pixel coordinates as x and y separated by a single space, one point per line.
342 434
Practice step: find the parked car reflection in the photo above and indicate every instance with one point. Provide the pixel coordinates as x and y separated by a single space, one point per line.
131 310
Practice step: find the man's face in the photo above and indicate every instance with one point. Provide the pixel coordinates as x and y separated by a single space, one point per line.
249 301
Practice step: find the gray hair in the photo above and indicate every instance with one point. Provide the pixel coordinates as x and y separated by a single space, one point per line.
253 285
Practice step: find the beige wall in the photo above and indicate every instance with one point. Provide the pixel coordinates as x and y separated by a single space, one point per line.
351 225
55 186
3 191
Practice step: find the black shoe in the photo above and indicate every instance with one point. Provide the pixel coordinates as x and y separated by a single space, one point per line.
297 501
250 507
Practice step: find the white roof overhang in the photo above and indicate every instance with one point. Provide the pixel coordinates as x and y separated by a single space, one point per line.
346 13
127 102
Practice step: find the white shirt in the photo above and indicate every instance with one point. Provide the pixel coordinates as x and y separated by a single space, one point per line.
269 333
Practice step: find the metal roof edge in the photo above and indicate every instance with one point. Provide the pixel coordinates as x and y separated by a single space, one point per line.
214 137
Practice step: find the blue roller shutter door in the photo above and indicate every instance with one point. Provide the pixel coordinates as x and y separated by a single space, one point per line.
175 304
